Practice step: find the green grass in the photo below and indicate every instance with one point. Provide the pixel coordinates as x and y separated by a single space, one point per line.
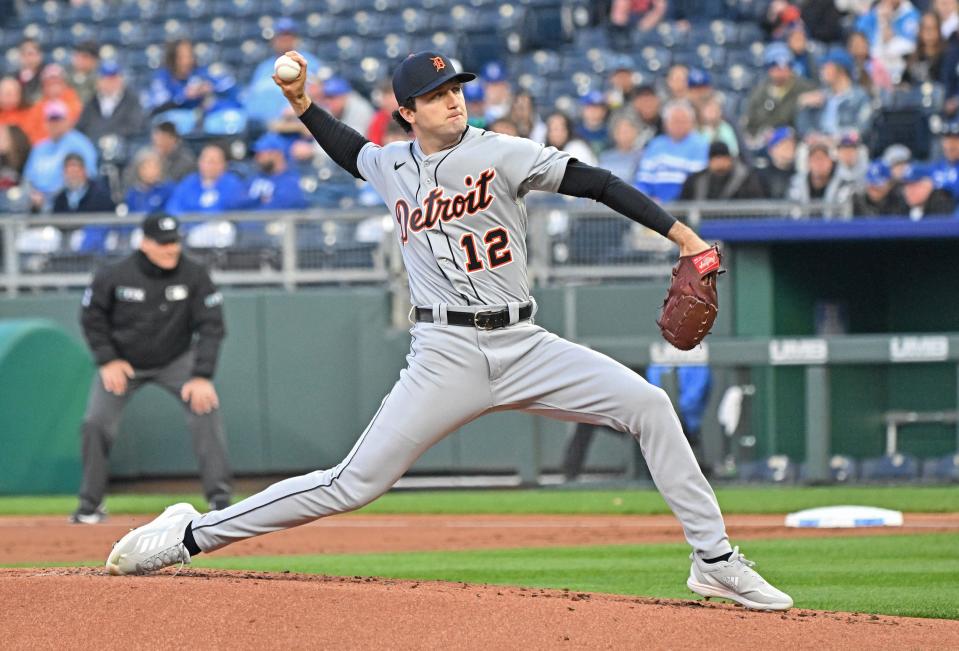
893 575
746 500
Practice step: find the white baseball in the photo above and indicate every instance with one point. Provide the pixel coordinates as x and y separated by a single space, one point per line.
286 68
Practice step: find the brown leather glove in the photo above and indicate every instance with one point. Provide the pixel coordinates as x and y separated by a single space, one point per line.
691 303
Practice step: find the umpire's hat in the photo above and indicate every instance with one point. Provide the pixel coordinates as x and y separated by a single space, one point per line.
162 228
422 72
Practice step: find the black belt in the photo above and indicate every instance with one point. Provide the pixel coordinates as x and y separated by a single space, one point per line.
486 320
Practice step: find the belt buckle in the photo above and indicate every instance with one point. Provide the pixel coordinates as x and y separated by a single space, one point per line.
484 320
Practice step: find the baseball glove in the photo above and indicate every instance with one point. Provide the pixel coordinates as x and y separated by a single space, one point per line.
691 303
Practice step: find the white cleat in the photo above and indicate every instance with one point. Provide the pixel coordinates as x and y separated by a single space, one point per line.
734 579
155 545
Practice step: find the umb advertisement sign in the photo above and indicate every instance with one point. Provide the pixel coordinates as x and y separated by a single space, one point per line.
668 355
798 351
930 348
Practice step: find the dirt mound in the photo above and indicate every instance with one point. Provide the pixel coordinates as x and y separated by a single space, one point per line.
85 608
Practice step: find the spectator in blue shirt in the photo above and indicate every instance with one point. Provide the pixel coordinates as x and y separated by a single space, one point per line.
44 168
673 156
838 107
892 27
592 121
275 186
149 193
212 189
945 171
622 159
262 98
180 87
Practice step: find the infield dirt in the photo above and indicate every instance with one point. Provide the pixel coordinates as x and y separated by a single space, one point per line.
85 608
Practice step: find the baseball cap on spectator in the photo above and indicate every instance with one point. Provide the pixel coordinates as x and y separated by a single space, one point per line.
850 139
109 68
336 86
643 90
699 78
162 228
877 173
839 57
778 54
622 62
896 154
270 141
473 93
55 110
778 135
493 72
915 173
819 144
53 71
717 149
285 25
593 98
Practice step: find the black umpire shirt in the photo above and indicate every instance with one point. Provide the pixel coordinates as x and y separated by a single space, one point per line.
149 316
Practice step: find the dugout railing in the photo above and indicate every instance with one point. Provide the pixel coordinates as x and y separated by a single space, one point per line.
568 241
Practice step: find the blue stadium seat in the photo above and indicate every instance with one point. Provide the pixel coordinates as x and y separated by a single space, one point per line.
738 78
544 27
941 468
670 36
479 48
415 21
655 59
841 469
776 469
320 26
897 467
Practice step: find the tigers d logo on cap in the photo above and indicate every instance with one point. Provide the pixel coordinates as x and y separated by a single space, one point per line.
422 72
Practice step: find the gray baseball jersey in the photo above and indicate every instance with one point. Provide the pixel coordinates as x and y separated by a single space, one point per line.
462 223
459 213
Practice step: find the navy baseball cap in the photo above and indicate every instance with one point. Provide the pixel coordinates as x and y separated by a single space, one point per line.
162 228
422 72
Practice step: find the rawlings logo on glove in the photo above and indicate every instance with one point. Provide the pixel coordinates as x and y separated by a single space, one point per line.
691 303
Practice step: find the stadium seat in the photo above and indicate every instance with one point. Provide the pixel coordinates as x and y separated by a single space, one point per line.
896 467
544 27
909 127
777 468
841 469
655 59
941 468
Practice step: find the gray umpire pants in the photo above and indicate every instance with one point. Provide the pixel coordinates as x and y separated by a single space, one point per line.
101 424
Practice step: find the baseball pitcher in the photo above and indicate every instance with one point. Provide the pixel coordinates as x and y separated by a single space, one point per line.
456 193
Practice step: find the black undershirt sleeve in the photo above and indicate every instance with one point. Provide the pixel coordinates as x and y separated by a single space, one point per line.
340 142
582 180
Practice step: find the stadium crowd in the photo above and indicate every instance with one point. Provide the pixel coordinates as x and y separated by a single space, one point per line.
814 124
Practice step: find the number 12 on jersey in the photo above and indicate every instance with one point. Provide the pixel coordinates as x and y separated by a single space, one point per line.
497 249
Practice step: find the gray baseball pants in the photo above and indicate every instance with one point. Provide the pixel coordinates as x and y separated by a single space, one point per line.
101 424
456 374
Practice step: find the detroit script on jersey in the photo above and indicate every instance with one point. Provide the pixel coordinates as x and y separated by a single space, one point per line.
438 207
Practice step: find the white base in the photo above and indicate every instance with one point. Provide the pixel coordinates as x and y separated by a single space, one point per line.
836 517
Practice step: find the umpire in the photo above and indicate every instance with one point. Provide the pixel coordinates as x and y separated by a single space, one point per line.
155 316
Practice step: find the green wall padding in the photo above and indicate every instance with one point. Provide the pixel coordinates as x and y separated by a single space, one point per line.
44 378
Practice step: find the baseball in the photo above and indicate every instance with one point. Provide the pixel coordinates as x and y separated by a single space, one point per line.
286 68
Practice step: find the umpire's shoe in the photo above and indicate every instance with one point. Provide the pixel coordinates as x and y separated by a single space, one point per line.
155 545
733 579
